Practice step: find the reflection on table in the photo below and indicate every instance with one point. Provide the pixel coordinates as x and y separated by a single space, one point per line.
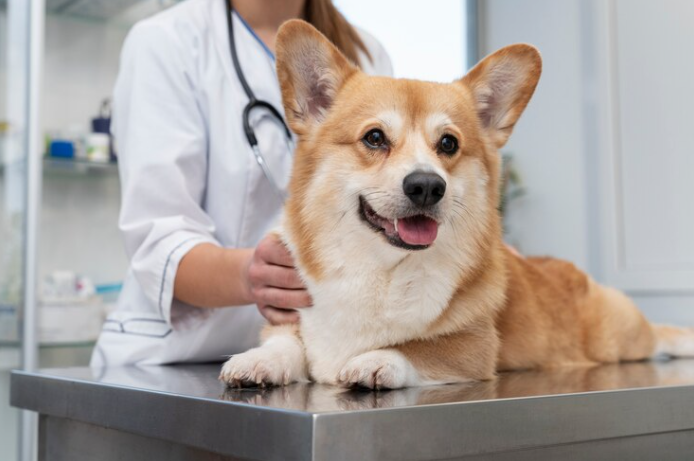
200 381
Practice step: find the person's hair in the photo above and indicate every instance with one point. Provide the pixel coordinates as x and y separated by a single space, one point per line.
323 15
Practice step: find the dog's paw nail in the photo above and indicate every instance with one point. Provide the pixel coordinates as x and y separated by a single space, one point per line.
375 370
258 367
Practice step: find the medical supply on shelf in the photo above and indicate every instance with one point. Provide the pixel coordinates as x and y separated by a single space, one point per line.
109 294
70 310
98 146
70 321
67 143
61 148
102 124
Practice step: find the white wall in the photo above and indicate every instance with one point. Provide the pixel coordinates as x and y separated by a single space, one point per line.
604 147
652 143
423 43
80 68
548 141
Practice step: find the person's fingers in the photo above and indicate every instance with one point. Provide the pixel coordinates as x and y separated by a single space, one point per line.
279 316
261 274
273 251
288 299
281 277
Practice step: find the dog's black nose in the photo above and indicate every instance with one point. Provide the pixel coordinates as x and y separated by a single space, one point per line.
424 189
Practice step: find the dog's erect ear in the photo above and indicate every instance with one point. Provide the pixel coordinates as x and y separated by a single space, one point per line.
311 71
502 84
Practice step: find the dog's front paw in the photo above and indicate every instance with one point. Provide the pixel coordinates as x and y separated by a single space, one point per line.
260 367
381 369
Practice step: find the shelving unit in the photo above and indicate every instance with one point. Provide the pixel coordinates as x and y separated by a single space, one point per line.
69 205
50 355
122 13
97 9
78 167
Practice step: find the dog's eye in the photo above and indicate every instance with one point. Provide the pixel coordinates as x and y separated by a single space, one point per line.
374 139
448 144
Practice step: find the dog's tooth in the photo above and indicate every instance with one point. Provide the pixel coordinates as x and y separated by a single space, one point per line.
395 222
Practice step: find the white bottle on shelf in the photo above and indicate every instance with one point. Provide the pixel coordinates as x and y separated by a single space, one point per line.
98 147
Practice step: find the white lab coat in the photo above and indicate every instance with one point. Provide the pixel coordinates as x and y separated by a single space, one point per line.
188 176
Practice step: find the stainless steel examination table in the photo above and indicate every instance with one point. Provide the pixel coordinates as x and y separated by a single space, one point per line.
635 411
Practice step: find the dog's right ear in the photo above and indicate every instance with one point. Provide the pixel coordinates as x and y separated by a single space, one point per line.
311 70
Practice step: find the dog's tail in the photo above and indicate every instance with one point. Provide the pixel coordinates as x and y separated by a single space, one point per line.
674 341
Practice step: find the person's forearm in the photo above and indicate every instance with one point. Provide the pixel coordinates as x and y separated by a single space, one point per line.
211 276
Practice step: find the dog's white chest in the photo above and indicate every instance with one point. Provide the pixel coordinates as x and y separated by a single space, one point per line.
368 310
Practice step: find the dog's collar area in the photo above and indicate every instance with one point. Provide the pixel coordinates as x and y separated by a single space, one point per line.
384 226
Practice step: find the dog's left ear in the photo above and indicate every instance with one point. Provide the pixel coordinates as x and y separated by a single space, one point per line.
311 71
502 84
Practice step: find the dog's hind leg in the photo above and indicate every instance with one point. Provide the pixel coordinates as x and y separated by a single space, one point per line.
615 329
280 360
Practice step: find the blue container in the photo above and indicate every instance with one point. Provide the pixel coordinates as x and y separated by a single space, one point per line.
62 149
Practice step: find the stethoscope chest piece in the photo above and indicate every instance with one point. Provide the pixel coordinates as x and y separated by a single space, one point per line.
253 105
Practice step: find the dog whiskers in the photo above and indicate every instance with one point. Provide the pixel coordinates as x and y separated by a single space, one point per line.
362 191
337 223
370 194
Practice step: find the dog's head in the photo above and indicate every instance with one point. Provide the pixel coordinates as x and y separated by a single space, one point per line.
412 164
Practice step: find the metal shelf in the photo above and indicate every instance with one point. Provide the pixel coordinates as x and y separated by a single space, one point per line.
76 167
79 167
65 345
96 9
119 12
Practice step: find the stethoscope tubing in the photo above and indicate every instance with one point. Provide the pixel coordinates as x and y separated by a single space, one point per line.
255 103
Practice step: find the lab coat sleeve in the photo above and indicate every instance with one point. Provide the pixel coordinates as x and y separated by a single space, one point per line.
161 138
380 63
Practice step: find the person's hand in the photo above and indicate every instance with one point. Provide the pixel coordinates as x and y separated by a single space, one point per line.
274 284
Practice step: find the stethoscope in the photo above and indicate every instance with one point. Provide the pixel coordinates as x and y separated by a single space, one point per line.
254 103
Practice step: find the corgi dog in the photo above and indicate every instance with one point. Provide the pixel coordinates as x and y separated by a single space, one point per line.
392 220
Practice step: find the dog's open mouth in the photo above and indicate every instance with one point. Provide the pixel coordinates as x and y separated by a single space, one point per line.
416 232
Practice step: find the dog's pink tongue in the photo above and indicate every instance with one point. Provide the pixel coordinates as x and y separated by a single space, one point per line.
418 230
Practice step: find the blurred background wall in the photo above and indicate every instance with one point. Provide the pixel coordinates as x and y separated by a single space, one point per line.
606 147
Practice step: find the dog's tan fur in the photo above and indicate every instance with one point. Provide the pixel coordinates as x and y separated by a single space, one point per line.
503 311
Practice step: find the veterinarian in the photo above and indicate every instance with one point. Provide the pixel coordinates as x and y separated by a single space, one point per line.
200 191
